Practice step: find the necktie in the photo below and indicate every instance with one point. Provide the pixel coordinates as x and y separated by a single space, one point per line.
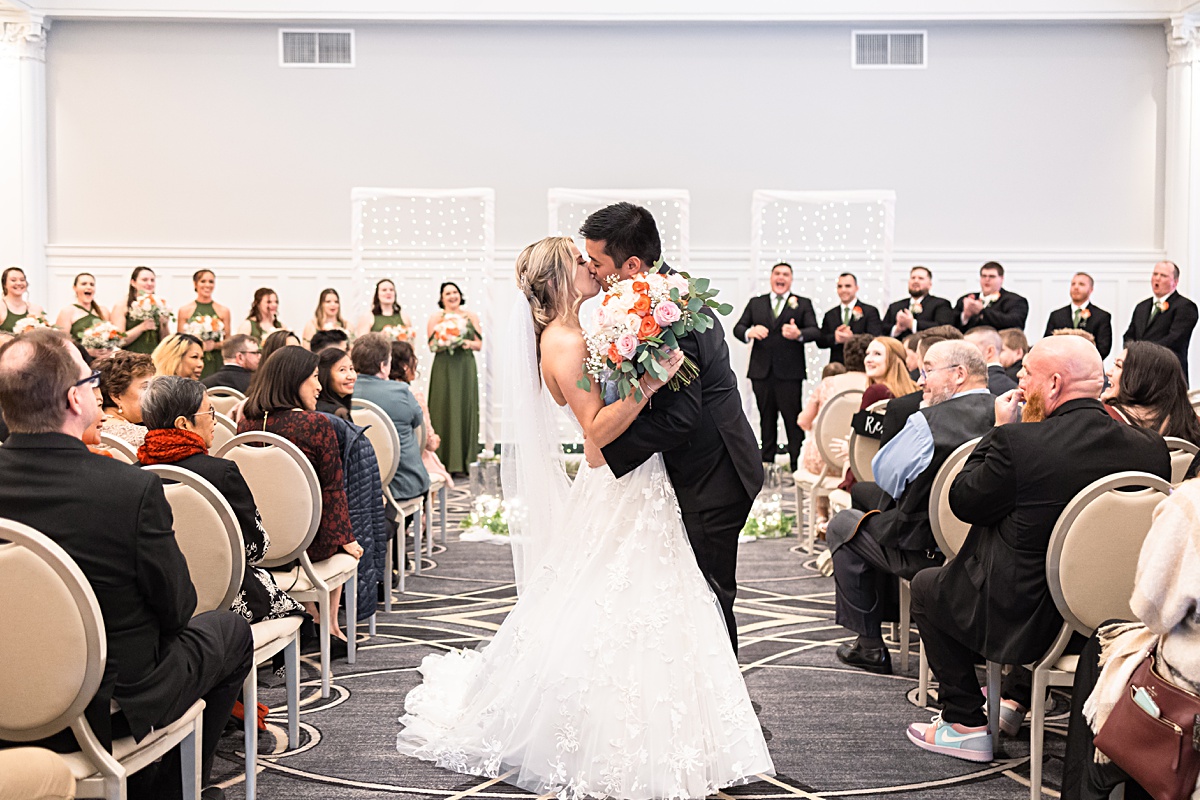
1154 309
1078 317
845 316
776 306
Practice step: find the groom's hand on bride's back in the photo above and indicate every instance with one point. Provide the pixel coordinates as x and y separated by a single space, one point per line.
592 453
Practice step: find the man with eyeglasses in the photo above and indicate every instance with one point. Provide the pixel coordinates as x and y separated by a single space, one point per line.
114 521
241 360
899 541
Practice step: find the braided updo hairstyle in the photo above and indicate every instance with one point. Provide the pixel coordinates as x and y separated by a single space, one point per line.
546 276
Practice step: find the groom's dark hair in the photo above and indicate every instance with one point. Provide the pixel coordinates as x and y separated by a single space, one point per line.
626 230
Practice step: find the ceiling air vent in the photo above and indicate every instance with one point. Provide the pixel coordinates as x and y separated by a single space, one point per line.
889 50
312 48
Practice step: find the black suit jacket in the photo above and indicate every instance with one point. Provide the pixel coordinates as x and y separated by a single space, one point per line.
869 322
998 380
114 520
230 375
1009 311
775 356
1171 328
993 595
1099 325
934 311
707 443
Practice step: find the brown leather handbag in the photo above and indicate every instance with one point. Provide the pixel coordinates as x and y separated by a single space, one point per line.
1162 754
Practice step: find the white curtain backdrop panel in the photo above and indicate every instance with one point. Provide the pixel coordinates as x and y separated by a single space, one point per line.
570 207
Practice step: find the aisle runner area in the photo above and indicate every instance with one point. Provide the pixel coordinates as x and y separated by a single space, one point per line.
832 731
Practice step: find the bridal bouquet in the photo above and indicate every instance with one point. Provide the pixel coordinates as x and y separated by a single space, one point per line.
638 319
29 323
399 333
206 328
449 334
149 306
101 336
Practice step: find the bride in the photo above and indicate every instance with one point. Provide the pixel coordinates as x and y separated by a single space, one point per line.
613 675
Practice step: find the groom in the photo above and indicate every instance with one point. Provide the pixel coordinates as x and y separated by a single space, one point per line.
706 441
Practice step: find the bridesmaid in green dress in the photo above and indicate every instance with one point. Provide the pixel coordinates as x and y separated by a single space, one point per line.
14 307
205 281
385 311
263 319
454 384
326 317
141 335
84 312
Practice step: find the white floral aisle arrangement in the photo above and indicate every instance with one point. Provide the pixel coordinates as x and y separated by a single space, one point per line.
767 521
487 522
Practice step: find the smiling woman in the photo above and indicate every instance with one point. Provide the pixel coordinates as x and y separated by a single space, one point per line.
454 336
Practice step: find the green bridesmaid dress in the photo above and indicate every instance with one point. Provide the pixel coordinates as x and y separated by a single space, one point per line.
454 404
83 323
384 320
146 340
212 358
12 319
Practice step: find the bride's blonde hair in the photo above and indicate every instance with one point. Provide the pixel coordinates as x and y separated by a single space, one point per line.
546 276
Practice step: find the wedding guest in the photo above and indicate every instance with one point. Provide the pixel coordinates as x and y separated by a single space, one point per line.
1013 348
385 311
327 316
241 357
276 341
283 400
1149 391
123 380
334 337
919 311
988 340
887 377
778 324
207 320
847 319
179 354
84 313
1081 314
992 305
336 372
405 368
453 380
372 355
143 328
180 421
263 319
1168 318
14 305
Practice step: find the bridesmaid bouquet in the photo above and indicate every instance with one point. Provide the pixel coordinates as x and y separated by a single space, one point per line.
29 323
149 306
101 336
638 319
399 333
206 328
449 334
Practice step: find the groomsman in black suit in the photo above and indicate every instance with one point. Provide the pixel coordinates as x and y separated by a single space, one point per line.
778 323
992 305
848 318
918 311
1083 315
1167 318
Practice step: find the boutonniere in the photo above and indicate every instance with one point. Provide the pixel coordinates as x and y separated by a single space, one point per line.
1163 306
793 302
856 313
915 308
1085 314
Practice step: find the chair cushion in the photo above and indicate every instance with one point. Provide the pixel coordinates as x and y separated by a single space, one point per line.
82 766
334 570
271 631
839 500
436 482
408 507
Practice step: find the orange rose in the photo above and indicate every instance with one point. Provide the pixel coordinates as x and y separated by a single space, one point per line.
641 306
641 287
607 297
613 355
649 328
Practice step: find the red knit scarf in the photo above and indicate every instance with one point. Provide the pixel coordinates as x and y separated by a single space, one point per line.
168 445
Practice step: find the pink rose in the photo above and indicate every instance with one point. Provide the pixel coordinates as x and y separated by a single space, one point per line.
666 313
677 281
626 344
603 317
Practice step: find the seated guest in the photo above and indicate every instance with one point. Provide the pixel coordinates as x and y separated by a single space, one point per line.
1166 593
912 359
275 341
336 373
123 378
992 600
241 355
404 369
334 337
887 375
990 344
372 355
904 406
179 354
899 541
114 521
283 400
1012 352
854 376
1151 392
180 423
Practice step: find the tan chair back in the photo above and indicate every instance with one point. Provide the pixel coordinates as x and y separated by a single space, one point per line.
223 399
864 448
1182 454
833 422
948 530
121 449
55 646
224 430
1092 558
382 435
208 534
277 475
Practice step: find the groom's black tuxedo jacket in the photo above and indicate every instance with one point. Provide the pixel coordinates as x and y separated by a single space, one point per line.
706 441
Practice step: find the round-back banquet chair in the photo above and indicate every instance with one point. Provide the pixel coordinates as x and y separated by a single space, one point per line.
833 422
224 398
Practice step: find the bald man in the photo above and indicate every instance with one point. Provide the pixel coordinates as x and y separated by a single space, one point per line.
1052 438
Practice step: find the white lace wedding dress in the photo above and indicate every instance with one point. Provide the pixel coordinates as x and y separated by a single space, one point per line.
611 677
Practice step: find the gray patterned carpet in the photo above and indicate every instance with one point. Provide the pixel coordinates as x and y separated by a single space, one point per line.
833 732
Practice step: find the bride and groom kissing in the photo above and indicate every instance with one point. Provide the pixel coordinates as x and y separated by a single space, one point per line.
613 675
